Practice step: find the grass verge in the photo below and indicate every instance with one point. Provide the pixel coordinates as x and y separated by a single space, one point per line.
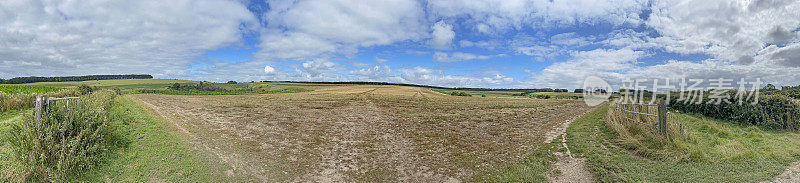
151 151
155 152
709 151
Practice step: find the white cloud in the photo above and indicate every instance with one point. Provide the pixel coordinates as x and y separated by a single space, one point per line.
497 16
320 66
489 45
302 29
269 70
570 39
427 76
730 30
443 36
607 64
460 56
381 60
107 37
615 65
377 72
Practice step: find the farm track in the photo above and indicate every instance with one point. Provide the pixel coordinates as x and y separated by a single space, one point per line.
365 133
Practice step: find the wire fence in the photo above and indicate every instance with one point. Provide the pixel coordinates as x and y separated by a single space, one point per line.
650 115
45 104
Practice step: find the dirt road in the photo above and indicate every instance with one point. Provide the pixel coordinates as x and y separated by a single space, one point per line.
365 133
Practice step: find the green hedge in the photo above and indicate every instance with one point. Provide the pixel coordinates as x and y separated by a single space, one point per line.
771 111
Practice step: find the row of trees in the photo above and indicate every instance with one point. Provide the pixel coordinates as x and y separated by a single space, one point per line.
34 79
427 86
202 86
789 91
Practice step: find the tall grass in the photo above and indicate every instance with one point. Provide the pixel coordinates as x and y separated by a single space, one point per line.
639 132
67 141
25 100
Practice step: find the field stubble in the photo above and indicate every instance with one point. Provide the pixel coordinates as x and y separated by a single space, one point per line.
366 133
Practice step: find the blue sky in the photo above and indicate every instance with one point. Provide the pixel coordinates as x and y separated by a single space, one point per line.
479 43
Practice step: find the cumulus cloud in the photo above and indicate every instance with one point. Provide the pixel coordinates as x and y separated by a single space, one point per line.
107 37
604 63
443 36
320 66
302 29
427 76
269 70
616 65
727 30
491 16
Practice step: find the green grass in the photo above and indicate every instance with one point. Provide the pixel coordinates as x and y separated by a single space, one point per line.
708 151
153 152
6 120
119 83
535 167
17 89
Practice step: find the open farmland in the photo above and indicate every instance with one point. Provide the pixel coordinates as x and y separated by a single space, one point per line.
365 133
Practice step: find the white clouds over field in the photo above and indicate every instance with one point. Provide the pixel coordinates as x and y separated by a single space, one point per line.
477 43
90 37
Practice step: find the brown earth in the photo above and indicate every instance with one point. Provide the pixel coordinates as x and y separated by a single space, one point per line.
365 133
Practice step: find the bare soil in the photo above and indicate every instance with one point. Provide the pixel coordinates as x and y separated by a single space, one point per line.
365 133
792 174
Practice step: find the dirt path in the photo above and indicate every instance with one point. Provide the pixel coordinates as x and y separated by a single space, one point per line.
239 165
792 174
571 169
365 133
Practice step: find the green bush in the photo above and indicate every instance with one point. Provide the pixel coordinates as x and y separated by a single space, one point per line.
85 89
458 93
771 111
67 141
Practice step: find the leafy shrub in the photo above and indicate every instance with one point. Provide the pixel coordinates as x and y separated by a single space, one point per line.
545 96
85 89
202 86
458 93
771 111
232 82
67 141
540 96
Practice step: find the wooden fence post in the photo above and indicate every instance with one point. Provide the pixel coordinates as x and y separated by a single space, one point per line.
662 119
39 106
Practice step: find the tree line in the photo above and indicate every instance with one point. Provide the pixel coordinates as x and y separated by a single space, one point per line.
426 86
35 79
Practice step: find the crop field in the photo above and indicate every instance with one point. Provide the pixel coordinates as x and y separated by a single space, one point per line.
20 89
119 83
365 133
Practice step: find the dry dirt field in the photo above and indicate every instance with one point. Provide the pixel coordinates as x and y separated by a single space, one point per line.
365 133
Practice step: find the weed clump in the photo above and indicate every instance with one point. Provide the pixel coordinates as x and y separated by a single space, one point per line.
68 139
458 93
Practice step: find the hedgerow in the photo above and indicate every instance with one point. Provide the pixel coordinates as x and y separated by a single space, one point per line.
770 111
